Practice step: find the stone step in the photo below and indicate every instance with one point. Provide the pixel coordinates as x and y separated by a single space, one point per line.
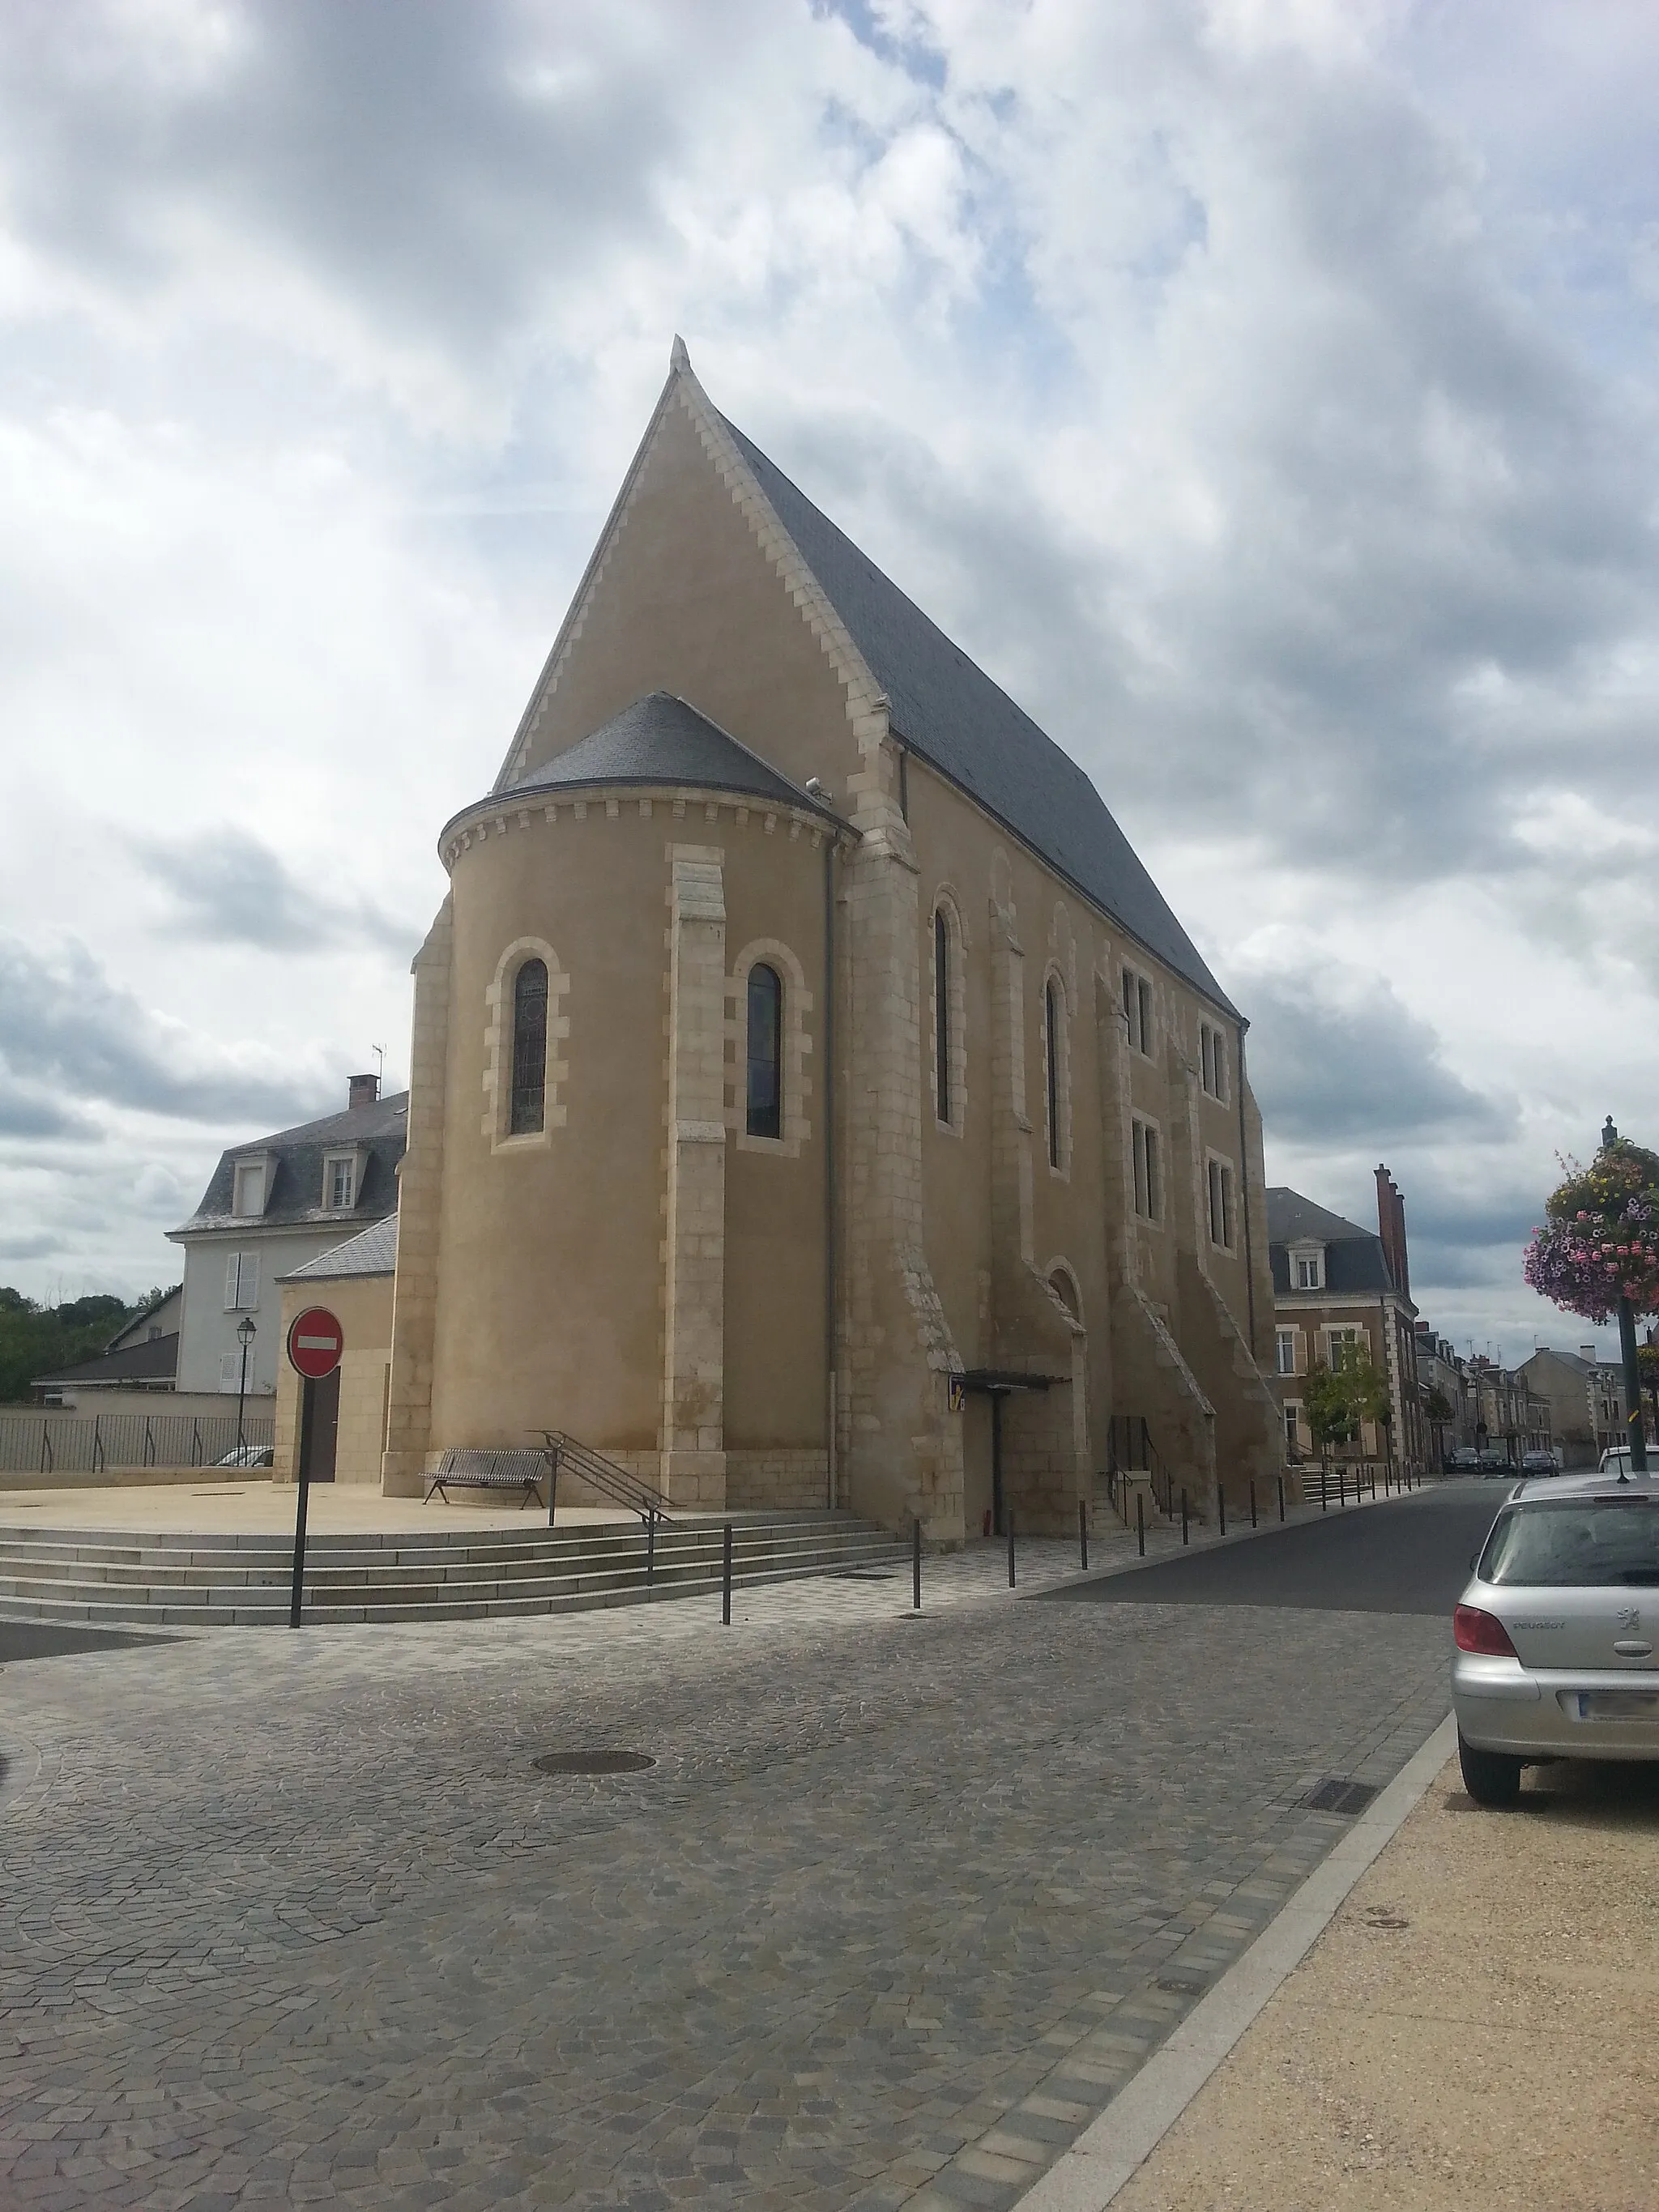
456 1564
208 1608
29 1578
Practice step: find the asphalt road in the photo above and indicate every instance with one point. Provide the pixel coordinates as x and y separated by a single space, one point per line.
1409 1555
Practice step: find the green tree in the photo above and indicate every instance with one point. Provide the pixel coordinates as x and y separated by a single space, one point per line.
38 1339
1326 1403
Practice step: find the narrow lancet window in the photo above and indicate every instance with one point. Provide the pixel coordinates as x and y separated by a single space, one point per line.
529 1050
942 1012
1051 1023
765 1114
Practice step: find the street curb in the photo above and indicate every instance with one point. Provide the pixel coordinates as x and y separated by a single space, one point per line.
1088 2176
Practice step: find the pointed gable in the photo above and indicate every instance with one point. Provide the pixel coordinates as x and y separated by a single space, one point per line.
717 579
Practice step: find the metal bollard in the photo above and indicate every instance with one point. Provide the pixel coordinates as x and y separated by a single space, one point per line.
1281 1498
916 1566
1140 1524
725 1576
1011 1551
1324 1492
1183 1517
1082 1533
1252 1505
1221 1505
650 1553
1342 1485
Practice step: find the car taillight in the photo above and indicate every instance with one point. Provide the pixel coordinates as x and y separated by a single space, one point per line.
1484 1632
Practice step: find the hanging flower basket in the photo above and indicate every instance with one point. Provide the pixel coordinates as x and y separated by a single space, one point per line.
1600 1239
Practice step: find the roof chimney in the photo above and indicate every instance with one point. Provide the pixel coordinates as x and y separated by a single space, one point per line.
361 1091
1587 1352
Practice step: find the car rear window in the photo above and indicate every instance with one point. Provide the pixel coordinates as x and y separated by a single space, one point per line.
1575 1542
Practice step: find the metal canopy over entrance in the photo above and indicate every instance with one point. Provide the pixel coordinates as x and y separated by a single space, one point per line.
996 1384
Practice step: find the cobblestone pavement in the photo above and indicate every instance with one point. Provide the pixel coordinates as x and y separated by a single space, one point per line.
293 1919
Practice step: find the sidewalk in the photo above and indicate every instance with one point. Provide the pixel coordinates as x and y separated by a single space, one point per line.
1475 2029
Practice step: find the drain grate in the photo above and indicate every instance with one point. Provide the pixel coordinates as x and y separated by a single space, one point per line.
863 1575
1181 1986
592 1762
1339 1792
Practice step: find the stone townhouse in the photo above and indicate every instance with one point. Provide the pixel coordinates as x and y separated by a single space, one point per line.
1341 1293
1584 1396
812 1098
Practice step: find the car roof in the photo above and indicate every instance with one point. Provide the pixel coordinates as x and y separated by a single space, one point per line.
1592 1483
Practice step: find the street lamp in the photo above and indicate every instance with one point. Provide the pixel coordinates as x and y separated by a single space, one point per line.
245 1333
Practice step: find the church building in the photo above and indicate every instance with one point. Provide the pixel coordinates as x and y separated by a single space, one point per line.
812 1099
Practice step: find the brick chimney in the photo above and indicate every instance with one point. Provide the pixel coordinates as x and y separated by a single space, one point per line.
1391 1228
362 1091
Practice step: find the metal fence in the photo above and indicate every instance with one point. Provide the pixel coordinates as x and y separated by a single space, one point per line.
89 1444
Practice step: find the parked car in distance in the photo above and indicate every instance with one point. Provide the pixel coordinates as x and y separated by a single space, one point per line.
1555 1632
248 1455
1540 1462
1462 1459
1496 1462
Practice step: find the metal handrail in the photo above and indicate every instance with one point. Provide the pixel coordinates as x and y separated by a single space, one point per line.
610 1480
1137 1433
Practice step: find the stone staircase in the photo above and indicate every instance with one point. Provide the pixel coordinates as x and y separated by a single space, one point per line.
194 1580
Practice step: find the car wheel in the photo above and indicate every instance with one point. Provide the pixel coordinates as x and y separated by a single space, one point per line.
1491 1778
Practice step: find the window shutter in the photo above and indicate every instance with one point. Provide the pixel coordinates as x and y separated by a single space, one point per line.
250 1285
233 1275
229 1363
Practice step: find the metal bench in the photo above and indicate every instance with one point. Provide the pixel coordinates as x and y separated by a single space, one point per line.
462 1469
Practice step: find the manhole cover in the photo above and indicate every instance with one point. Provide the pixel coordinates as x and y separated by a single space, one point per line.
1338 1793
592 1762
1182 1985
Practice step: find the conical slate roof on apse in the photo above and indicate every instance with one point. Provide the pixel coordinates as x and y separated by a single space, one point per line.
660 739
959 721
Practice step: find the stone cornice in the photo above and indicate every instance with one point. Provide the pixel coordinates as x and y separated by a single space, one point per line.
497 816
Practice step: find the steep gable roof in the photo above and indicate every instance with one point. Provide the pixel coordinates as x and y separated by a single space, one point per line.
951 713
372 1251
943 707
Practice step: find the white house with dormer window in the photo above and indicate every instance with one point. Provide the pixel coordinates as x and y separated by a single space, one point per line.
270 1206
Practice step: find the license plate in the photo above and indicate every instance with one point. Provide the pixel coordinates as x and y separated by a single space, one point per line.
1613 1704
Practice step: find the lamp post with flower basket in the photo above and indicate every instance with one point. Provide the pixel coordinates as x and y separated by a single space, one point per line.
1597 1254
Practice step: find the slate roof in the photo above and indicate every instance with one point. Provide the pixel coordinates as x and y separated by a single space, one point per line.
953 715
372 1251
1355 1261
662 740
294 1198
154 1361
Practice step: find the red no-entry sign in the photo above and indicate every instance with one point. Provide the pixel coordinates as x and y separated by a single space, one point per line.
315 1341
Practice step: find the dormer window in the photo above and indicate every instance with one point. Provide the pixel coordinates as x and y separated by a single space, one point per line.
252 1183
1308 1267
339 1182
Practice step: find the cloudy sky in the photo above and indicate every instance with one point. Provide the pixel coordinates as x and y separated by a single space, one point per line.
1263 390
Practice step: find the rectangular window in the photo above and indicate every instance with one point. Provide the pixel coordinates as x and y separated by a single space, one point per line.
1290 1428
1148 1178
340 1193
1307 1274
1137 1010
1221 1204
1345 1347
242 1281
1213 1061
250 1188
1284 1350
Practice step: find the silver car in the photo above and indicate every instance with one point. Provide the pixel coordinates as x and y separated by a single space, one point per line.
1555 1633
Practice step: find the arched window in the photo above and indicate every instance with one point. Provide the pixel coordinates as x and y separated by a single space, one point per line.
529 1050
942 1013
765 1095
1051 1021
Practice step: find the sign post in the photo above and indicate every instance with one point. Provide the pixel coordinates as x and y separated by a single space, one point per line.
315 1341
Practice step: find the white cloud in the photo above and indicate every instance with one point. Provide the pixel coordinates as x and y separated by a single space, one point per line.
1266 394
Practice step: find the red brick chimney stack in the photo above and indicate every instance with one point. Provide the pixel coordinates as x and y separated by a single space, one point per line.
362 1091
1391 1228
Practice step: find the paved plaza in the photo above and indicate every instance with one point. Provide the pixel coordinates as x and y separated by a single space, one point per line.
296 1919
